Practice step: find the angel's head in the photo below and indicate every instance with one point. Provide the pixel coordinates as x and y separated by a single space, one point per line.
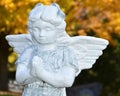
46 23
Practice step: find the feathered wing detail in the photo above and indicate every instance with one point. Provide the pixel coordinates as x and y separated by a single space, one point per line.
87 50
19 42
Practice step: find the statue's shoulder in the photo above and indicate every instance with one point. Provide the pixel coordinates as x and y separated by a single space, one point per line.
67 49
26 54
29 50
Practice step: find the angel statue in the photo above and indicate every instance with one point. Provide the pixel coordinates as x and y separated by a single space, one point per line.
49 59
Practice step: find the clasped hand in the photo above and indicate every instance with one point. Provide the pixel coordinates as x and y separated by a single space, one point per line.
37 66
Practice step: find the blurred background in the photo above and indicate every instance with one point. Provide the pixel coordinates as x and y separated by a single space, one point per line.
99 18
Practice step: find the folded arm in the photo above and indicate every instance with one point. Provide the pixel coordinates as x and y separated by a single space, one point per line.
62 78
23 75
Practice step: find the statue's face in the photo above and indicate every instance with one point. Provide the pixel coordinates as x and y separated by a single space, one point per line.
43 32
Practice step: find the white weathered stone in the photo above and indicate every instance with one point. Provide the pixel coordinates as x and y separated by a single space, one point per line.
49 59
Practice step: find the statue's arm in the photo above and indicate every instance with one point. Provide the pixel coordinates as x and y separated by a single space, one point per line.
23 75
63 78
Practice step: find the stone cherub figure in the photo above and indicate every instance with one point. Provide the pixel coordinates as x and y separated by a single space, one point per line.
49 59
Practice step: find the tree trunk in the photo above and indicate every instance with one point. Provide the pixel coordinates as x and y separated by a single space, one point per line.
4 52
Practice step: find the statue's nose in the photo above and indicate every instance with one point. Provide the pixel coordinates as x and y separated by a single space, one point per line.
42 33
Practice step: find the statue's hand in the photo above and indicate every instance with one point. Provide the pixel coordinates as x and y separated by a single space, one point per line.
36 66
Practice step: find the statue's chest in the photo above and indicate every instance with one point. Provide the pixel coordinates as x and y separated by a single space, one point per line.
52 60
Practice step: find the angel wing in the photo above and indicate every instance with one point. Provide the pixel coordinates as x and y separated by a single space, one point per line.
19 42
87 50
